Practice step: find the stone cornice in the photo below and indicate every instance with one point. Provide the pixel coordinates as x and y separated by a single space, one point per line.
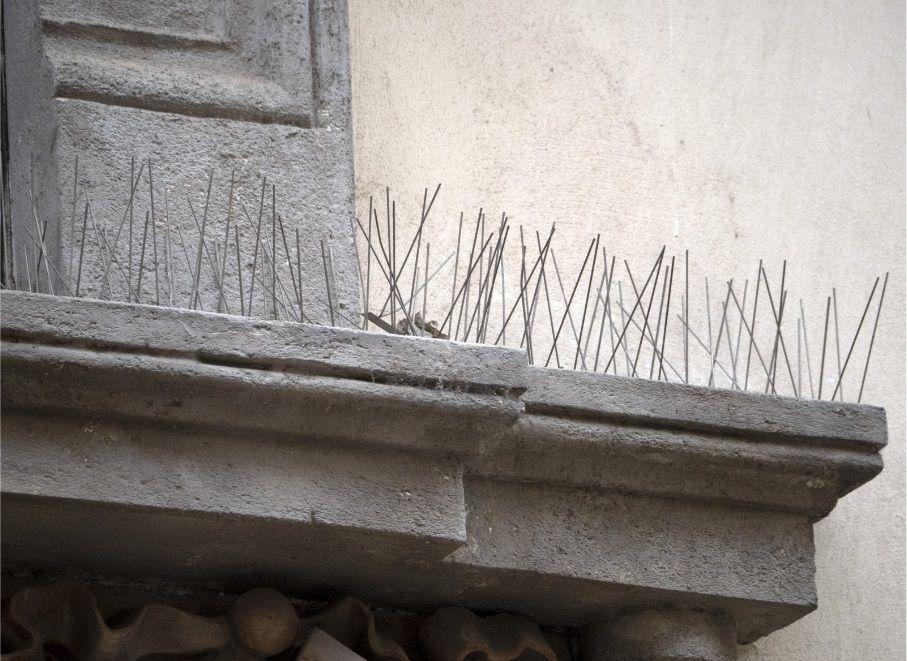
673 440
231 452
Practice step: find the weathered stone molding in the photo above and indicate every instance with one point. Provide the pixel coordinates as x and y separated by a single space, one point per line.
225 453
659 634
262 623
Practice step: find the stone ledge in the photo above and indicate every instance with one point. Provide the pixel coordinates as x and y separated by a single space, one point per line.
193 396
254 343
723 412
405 470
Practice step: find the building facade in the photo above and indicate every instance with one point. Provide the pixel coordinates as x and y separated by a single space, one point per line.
189 483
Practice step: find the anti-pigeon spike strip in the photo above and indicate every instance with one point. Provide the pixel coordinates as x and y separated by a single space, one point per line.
468 291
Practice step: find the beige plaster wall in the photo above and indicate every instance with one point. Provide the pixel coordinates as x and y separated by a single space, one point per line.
739 130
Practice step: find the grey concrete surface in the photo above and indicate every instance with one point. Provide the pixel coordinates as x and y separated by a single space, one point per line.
648 402
203 463
250 93
660 635
32 127
288 346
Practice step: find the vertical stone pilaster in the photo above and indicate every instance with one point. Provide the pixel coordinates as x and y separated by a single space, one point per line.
246 89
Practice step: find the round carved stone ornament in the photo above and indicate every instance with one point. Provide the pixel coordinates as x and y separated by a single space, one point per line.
62 621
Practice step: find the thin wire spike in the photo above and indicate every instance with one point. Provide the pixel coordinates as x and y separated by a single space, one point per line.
299 271
540 262
366 297
154 238
523 305
686 314
465 300
652 362
838 353
856 334
668 307
570 300
168 238
392 243
198 262
425 290
527 337
142 260
462 291
416 263
130 207
806 348
586 344
504 336
823 353
779 339
386 274
327 283
800 384
649 307
564 298
737 352
650 341
483 286
239 270
293 280
709 326
333 277
81 251
116 242
740 307
873 336
548 303
586 302
42 249
222 302
704 347
28 272
456 258
534 304
495 269
72 224
274 255
715 358
48 262
255 249
101 240
606 309
627 362
752 329
731 355
186 257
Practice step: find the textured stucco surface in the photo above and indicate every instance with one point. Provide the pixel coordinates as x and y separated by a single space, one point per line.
739 131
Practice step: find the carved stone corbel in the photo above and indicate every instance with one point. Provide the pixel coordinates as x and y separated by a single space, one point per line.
455 634
261 624
62 620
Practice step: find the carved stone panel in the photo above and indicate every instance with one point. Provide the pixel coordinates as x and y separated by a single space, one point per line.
251 60
241 90
63 620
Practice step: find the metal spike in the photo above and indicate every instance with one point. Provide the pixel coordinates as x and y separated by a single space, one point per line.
872 337
856 333
570 300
